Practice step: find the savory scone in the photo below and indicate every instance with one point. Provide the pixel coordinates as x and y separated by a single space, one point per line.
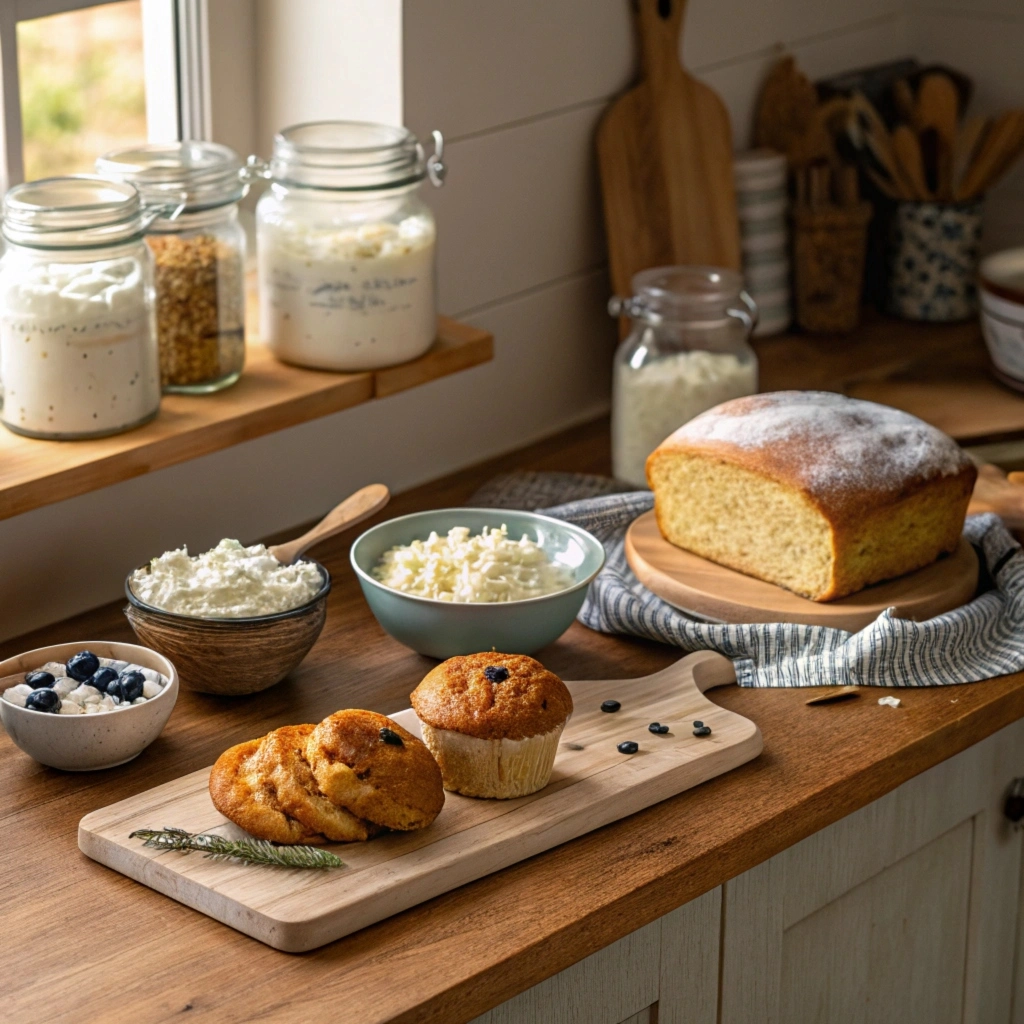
813 491
493 722
377 770
241 792
281 761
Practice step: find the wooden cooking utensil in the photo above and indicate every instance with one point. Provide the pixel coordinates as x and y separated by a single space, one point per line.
665 155
786 108
354 509
1000 147
906 104
969 137
938 106
907 150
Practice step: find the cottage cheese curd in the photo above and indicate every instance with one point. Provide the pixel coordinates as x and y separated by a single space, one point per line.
486 567
230 581
78 698
78 353
347 299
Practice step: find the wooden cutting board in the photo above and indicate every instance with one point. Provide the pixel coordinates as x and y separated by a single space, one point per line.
712 592
592 785
665 154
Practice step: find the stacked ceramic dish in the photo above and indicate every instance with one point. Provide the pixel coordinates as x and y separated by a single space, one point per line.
762 200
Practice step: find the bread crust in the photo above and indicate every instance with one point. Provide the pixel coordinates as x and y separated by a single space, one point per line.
240 791
396 786
458 696
281 761
800 460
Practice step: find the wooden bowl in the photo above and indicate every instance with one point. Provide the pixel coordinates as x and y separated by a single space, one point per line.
231 656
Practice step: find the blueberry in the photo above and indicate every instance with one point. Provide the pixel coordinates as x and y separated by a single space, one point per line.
657 728
628 747
102 678
496 673
39 679
704 730
392 737
82 666
127 686
43 700
662 729
610 705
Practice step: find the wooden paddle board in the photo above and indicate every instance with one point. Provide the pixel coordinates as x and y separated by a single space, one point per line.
665 154
712 592
593 784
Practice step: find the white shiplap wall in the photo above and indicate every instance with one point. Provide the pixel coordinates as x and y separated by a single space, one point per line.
518 89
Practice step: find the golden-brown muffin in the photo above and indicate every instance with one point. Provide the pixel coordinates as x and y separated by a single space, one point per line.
281 761
376 769
493 722
241 792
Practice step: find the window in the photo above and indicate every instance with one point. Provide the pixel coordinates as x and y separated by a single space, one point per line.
81 86
79 78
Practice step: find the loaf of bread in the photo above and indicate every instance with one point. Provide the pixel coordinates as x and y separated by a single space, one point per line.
813 491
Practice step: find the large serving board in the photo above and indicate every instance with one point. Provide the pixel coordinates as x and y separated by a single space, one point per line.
592 785
717 594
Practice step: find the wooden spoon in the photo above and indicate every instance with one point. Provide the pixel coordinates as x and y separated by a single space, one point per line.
968 141
907 149
999 148
354 509
938 106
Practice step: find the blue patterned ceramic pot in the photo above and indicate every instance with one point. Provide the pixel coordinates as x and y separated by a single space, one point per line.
933 260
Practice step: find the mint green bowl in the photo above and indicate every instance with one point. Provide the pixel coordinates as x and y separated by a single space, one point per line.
442 629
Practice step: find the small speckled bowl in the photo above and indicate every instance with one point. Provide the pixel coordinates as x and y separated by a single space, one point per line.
83 743
443 629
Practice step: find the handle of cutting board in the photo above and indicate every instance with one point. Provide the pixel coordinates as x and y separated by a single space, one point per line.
708 669
660 24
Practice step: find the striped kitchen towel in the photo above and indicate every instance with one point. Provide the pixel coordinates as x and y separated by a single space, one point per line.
984 638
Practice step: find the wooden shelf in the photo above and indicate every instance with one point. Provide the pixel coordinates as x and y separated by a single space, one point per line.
269 397
939 372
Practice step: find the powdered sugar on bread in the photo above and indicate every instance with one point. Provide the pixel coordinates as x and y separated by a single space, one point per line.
828 441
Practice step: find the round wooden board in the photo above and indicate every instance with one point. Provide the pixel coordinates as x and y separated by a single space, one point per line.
709 591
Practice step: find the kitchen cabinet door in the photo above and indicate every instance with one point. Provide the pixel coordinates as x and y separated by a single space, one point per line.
664 973
906 911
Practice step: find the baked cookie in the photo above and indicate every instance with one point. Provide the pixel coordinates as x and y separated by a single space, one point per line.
282 762
375 769
241 792
493 722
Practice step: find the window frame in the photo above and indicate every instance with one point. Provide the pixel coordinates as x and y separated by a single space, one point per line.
176 60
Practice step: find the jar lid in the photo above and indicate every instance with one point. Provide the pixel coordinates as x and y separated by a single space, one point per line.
77 211
687 291
347 155
195 175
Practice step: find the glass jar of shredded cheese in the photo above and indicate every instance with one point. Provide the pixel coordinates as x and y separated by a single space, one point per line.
688 350
345 247
199 256
78 349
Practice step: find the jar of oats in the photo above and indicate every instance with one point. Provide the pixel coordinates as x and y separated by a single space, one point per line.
199 255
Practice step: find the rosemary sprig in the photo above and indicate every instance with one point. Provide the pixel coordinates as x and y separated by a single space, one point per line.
251 851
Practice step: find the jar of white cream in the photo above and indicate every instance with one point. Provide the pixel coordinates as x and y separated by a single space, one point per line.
345 247
78 346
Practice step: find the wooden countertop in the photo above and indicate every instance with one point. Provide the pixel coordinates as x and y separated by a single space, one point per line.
86 944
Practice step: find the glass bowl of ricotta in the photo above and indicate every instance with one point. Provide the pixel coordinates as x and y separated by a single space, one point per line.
233 619
461 580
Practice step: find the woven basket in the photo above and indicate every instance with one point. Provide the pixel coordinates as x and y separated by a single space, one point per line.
829 246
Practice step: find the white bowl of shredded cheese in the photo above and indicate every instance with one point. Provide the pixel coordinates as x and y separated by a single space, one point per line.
458 581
